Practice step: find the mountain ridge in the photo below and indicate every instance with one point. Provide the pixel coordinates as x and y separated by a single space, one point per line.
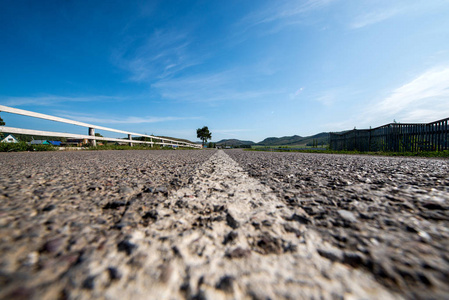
234 142
321 137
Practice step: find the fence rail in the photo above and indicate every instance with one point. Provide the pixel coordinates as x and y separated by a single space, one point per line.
395 137
91 131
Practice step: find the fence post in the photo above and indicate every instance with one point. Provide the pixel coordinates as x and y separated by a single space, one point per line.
130 138
93 142
446 136
369 140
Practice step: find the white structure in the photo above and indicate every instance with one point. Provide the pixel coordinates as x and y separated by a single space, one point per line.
91 131
9 139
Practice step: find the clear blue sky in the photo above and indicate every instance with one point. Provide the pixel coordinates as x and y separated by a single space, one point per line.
246 69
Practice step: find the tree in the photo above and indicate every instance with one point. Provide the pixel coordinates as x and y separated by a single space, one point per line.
203 134
1 122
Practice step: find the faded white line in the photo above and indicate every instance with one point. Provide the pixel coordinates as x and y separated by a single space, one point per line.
227 236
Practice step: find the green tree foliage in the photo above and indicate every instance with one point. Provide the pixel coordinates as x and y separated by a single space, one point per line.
2 123
99 135
203 134
144 138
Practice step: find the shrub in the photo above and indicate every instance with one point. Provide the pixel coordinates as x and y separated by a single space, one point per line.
23 146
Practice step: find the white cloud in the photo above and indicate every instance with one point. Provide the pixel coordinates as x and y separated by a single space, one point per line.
284 10
283 13
423 99
373 18
379 11
162 54
54 99
342 95
121 120
297 93
221 86
327 98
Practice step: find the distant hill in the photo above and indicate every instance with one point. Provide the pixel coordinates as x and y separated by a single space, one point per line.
285 140
320 138
295 140
234 142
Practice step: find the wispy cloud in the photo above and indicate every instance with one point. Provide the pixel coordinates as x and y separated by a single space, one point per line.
55 99
423 99
384 10
331 96
280 14
283 10
327 98
164 53
374 17
120 120
297 93
220 86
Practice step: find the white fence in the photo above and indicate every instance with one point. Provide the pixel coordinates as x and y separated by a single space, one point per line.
91 131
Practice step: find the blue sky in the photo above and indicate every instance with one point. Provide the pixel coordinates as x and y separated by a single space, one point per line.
246 69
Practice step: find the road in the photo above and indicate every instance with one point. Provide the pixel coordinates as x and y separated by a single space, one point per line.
222 225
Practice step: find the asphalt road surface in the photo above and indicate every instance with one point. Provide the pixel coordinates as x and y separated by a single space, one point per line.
222 225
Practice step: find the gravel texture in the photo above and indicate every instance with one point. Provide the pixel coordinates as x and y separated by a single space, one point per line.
62 212
388 216
200 225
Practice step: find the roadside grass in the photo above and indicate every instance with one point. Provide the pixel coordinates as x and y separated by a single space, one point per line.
444 154
135 147
23 146
287 146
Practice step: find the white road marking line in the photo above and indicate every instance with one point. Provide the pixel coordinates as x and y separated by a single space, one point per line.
224 236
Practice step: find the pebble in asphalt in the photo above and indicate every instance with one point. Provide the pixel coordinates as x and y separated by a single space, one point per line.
184 224
385 215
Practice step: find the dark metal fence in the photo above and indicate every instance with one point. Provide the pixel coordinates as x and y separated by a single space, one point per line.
395 137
